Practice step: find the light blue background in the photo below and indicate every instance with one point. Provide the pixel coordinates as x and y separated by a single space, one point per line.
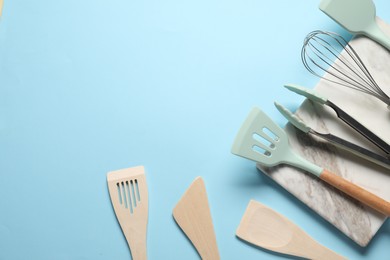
92 86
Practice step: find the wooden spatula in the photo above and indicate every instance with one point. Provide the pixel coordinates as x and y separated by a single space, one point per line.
268 229
129 197
1 7
192 214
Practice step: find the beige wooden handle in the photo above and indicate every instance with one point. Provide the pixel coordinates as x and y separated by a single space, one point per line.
1 7
139 253
356 192
137 245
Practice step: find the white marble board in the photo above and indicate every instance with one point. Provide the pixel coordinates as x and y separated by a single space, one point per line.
350 217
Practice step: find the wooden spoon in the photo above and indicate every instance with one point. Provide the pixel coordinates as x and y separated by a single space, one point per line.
268 229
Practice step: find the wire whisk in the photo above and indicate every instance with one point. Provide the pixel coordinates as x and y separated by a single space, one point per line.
321 50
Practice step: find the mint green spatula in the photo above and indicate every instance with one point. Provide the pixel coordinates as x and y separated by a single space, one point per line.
357 16
263 141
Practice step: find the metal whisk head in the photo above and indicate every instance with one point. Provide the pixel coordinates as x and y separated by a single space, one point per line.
321 50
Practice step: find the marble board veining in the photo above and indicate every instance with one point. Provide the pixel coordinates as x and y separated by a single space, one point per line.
355 220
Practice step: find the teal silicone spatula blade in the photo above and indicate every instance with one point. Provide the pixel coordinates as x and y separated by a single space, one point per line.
357 16
253 143
260 139
354 15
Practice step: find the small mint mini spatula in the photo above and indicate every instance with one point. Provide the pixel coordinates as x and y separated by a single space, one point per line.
357 16
263 141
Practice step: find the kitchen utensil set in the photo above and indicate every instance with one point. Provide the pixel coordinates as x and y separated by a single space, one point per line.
129 198
261 140
268 229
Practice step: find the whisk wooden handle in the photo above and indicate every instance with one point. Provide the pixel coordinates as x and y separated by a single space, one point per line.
356 192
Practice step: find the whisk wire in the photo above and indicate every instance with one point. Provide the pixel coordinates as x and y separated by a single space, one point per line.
319 51
332 50
330 63
370 80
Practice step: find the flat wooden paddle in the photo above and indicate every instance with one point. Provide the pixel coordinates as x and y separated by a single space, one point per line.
268 229
129 197
192 214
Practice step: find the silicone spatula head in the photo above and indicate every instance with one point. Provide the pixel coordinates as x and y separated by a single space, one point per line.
260 139
354 15
357 16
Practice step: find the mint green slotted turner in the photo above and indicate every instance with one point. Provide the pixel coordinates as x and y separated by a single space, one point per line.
263 141
357 16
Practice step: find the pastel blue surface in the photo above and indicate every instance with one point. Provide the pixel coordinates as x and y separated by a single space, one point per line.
91 86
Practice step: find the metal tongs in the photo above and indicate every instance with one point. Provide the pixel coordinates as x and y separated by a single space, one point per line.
337 141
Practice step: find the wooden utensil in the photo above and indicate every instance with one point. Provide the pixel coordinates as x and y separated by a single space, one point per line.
1 7
129 197
192 214
266 228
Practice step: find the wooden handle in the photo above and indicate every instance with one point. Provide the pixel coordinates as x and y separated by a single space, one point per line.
315 251
356 192
137 245
1 7
139 253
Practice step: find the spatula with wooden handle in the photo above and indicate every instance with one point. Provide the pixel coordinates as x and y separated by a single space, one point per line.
263 227
192 214
260 139
129 197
